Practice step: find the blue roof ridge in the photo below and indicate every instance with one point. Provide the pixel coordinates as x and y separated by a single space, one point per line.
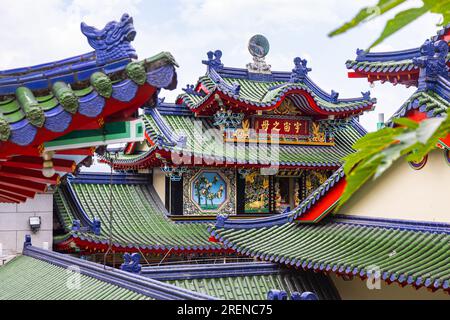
217 77
405 54
190 271
169 138
80 213
137 283
400 224
280 219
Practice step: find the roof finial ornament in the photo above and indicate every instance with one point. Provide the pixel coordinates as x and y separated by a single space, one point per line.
113 41
259 48
334 96
221 219
360 53
190 89
432 63
300 71
214 60
366 95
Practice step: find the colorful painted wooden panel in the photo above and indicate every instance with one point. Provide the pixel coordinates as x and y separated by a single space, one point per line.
256 193
209 190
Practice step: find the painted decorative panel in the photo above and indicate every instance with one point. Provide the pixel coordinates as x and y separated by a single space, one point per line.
209 191
256 193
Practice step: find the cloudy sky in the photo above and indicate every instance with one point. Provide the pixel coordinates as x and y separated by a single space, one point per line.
38 31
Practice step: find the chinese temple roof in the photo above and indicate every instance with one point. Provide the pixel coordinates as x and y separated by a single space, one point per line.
140 218
43 274
246 91
410 253
41 105
428 103
243 281
396 66
29 278
170 128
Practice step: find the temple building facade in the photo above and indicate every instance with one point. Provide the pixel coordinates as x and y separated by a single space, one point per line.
245 141
231 191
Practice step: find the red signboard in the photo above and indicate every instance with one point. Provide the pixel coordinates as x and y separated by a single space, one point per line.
293 127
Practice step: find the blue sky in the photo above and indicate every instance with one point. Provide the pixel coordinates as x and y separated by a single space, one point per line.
34 32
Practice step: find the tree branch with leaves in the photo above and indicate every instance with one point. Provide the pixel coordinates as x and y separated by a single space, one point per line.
400 20
377 151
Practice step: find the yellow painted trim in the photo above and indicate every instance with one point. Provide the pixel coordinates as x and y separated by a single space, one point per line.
308 143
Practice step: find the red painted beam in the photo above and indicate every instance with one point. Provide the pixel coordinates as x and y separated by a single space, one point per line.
37 163
446 140
209 106
77 152
354 75
18 191
12 197
4 200
112 106
88 245
417 115
321 208
23 184
27 174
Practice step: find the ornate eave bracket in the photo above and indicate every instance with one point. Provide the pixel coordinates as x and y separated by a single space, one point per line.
174 173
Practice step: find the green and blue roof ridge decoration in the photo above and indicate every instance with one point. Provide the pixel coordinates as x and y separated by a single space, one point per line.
395 62
44 275
269 91
408 252
140 219
50 95
161 126
243 280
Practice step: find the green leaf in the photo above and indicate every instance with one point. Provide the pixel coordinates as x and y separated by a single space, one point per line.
357 178
377 151
400 20
366 14
440 7
406 122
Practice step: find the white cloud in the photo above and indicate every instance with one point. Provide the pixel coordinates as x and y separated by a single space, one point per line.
38 31
35 32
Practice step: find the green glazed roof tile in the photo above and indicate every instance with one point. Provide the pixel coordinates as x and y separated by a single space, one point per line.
138 220
406 255
26 278
212 144
256 287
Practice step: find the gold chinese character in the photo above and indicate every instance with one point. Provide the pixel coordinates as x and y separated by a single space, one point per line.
287 127
275 125
297 126
265 125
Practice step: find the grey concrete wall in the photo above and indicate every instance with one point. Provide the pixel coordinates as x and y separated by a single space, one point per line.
14 223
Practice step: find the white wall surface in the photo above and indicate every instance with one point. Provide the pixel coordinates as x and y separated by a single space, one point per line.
405 193
159 183
14 223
